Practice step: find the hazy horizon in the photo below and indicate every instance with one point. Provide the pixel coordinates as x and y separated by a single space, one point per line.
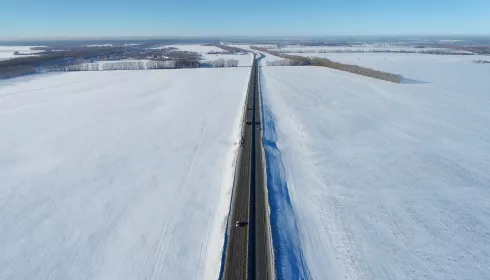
387 37
32 19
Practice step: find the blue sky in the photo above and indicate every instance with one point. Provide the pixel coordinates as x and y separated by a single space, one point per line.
83 18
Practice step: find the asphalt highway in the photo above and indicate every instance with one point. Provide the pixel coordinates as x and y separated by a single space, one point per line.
249 251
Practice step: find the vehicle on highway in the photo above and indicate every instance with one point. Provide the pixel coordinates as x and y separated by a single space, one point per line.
241 224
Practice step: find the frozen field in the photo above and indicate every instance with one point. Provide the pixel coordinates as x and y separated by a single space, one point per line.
362 48
243 59
7 52
117 175
197 48
375 180
263 61
443 70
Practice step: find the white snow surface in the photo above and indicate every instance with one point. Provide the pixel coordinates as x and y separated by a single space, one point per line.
361 48
266 57
243 59
7 52
101 45
196 48
445 70
387 181
193 48
117 175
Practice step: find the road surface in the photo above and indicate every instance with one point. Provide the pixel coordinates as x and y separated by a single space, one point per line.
248 251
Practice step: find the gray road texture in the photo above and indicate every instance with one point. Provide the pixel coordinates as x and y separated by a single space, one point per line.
264 261
248 251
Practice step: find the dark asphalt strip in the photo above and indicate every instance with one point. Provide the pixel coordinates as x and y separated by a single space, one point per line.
248 251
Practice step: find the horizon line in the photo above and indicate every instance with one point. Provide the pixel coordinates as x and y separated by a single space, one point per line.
163 37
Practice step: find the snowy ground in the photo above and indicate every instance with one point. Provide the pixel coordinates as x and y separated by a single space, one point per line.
7 52
117 175
263 61
361 49
385 181
98 45
243 59
445 70
196 48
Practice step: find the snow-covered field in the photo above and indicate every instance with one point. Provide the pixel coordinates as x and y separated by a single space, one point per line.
117 175
99 45
243 59
445 70
197 48
7 52
265 58
385 181
361 48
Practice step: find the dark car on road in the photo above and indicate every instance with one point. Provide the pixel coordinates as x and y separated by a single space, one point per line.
241 223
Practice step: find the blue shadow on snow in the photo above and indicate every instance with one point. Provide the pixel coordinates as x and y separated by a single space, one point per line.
288 255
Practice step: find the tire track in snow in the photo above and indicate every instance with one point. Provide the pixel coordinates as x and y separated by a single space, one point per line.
157 271
204 246
175 207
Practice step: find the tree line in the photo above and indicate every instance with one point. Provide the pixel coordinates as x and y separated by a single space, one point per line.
282 62
20 66
118 65
439 51
229 49
223 63
145 65
324 62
